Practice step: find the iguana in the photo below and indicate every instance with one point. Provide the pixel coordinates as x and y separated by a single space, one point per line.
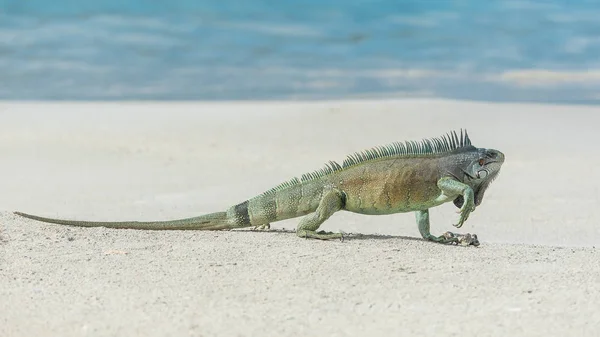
394 178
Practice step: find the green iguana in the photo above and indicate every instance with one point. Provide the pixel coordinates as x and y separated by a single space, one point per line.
395 178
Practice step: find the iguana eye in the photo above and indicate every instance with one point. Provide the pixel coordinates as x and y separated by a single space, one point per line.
481 162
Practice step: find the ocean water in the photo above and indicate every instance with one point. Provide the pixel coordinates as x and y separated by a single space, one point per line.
509 50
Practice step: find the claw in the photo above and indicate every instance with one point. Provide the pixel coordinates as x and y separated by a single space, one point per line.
473 241
448 235
265 226
465 240
462 239
342 233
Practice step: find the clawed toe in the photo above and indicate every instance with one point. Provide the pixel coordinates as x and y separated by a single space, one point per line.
462 239
320 235
332 235
265 227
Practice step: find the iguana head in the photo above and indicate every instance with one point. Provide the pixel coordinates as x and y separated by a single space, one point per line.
480 167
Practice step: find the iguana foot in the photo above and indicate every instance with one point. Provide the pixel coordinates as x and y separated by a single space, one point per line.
265 226
464 212
454 238
463 239
321 235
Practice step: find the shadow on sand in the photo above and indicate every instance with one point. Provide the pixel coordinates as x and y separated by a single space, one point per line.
347 236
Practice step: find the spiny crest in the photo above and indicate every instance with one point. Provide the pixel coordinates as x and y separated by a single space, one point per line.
330 167
446 143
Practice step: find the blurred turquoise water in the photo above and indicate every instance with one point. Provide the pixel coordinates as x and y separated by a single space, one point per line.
545 51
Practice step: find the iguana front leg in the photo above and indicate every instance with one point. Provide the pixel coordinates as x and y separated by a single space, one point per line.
448 237
451 187
331 202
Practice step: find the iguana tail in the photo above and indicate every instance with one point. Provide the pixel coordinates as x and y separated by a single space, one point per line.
278 204
212 221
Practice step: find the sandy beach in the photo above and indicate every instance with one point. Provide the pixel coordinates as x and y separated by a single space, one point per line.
536 273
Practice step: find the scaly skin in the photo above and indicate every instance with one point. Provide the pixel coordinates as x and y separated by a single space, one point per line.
385 180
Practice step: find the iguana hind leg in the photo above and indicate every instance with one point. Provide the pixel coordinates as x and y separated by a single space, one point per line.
448 237
331 202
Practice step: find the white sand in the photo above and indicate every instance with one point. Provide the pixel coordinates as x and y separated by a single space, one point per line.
537 271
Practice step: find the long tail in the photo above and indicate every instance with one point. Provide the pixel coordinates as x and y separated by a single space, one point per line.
294 201
212 221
